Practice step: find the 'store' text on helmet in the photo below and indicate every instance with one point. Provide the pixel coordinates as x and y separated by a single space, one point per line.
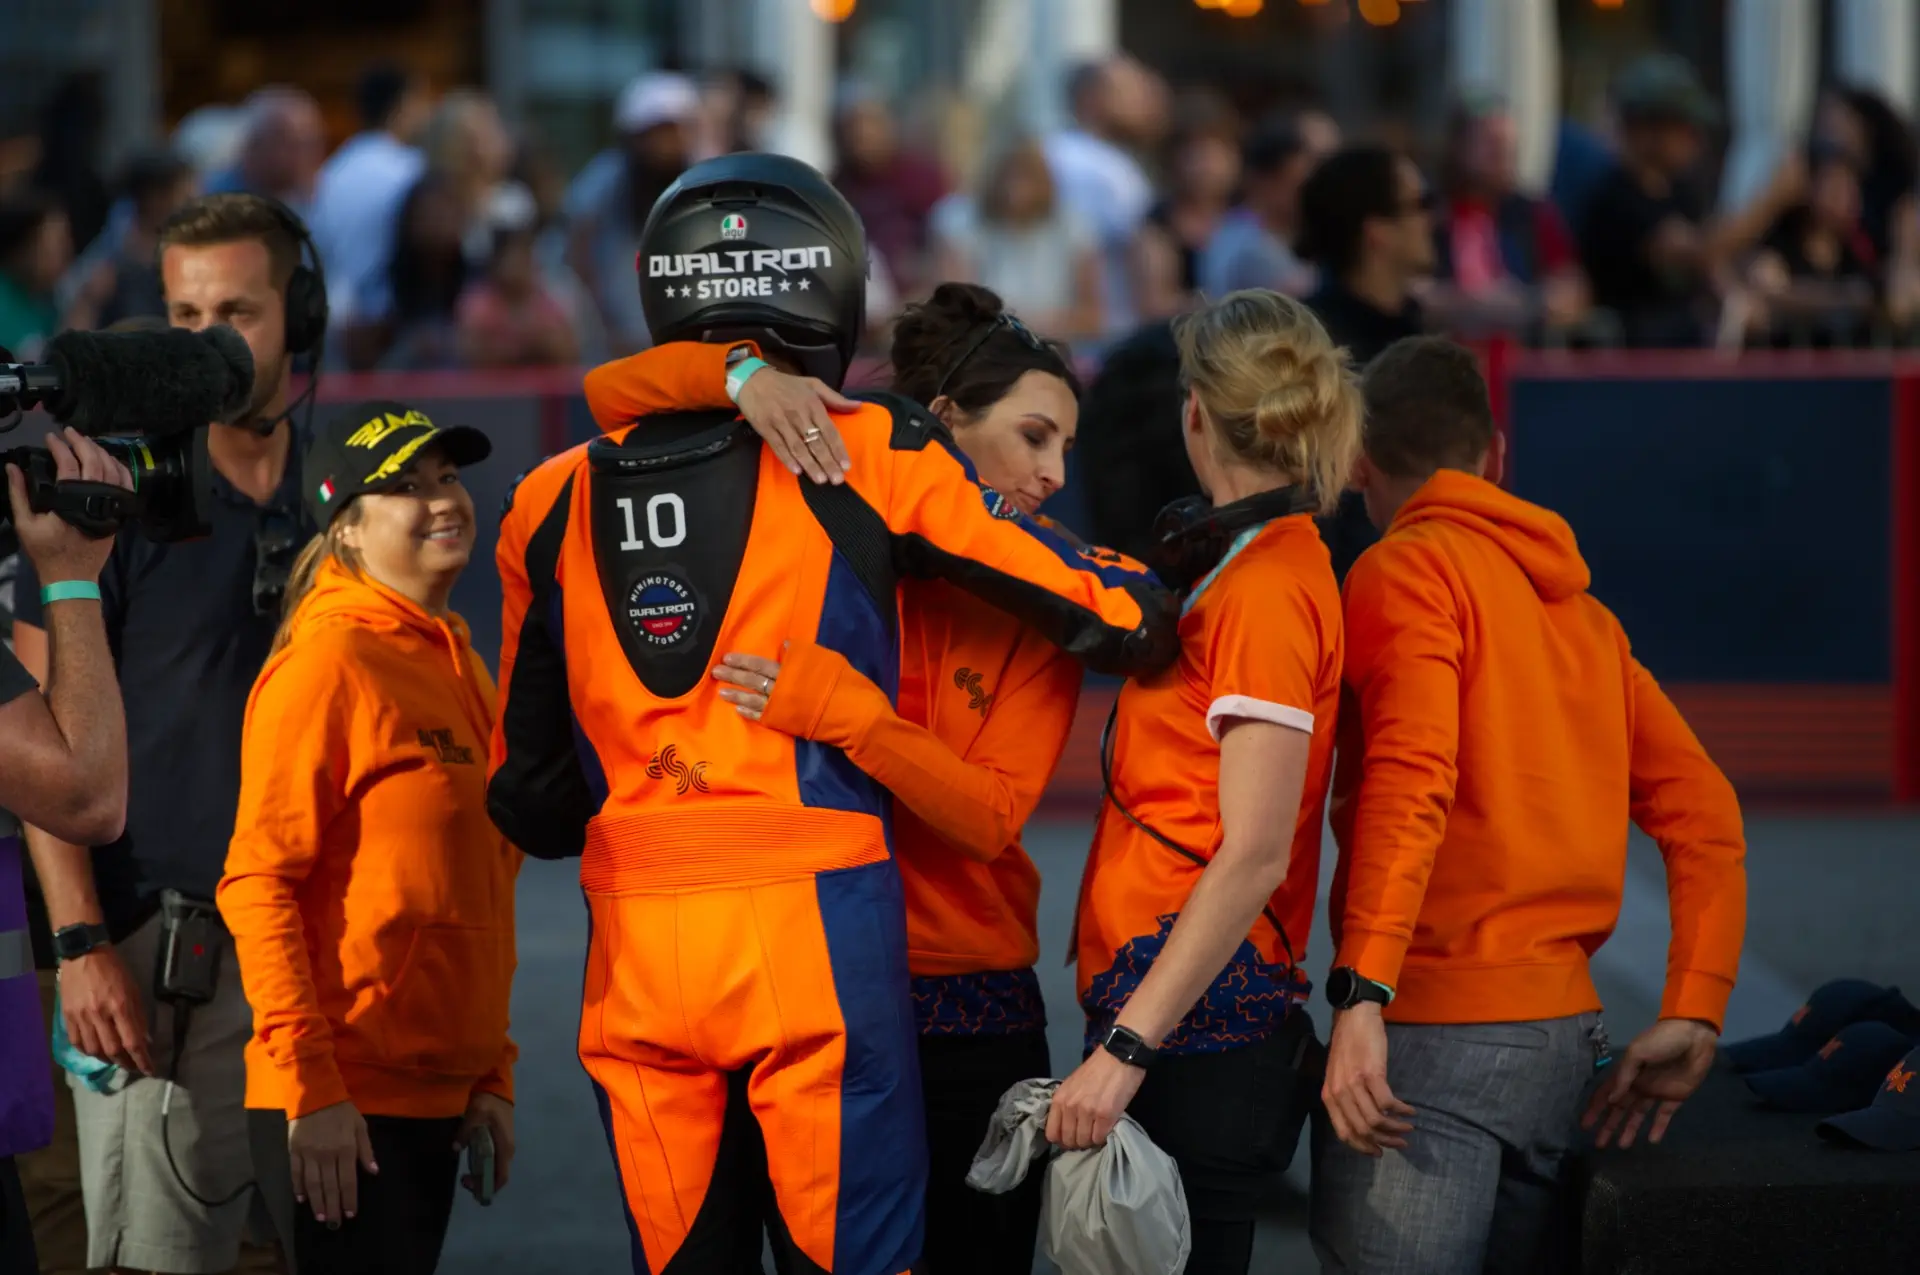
742 261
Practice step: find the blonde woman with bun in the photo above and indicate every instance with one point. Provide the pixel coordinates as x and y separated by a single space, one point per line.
1200 888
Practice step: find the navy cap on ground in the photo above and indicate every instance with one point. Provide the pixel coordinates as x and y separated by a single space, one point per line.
1892 1121
1843 1074
1832 1006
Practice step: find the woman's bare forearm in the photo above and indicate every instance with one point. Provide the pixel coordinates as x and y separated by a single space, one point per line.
1263 770
1216 920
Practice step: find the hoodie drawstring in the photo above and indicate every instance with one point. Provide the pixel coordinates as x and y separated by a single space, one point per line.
463 674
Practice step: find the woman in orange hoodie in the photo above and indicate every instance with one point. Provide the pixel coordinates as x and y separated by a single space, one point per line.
369 895
983 709
1199 892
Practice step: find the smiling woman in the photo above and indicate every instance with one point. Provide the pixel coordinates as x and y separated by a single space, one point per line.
365 876
384 485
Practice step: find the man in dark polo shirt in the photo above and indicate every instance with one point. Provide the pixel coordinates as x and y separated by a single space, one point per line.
190 625
1366 219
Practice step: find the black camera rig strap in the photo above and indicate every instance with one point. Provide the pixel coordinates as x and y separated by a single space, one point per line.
97 509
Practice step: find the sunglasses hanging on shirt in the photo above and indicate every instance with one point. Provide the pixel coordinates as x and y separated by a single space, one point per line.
276 543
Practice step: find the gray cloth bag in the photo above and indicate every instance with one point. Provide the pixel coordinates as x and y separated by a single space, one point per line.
1115 1210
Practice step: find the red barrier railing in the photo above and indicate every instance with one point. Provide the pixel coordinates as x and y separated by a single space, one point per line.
1799 737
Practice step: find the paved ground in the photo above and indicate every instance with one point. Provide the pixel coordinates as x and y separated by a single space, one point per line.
1831 896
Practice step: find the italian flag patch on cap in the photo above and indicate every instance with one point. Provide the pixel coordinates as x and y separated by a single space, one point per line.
326 491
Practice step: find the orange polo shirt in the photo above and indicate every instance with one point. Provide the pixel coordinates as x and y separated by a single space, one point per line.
1260 639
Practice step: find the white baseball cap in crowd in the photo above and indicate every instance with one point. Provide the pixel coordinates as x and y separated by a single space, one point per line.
209 137
658 97
511 207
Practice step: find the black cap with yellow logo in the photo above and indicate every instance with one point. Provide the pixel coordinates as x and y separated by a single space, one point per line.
368 448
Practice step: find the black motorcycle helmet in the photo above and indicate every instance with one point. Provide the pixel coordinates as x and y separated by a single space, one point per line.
757 247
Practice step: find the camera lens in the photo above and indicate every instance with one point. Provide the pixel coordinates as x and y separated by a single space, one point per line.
172 477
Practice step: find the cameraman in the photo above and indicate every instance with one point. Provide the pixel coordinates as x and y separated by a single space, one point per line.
63 765
190 623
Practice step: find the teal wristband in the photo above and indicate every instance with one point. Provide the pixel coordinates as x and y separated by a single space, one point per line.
70 591
737 376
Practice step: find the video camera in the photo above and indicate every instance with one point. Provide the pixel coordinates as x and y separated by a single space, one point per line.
147 397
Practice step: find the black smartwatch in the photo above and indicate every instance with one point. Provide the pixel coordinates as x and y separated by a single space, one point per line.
1345 989
1128 1047
71 942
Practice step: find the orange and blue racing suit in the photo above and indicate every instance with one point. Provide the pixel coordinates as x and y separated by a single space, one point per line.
747 958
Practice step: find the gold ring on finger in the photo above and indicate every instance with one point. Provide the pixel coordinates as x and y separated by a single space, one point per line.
811 434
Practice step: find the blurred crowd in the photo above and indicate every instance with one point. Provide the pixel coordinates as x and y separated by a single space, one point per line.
450 240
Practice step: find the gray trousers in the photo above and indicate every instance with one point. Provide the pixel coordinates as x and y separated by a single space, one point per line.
1496 1107
139 1216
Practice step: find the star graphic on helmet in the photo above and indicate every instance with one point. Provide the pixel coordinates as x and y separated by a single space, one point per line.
786 285
805 284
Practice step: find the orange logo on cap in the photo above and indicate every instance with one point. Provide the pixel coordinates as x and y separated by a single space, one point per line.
1831 1048
1799 1014
1897 1079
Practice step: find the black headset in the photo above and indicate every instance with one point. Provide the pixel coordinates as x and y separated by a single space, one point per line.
306 308
1191 535
306 292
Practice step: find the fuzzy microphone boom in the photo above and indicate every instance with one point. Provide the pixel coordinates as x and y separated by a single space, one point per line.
148 397
160 382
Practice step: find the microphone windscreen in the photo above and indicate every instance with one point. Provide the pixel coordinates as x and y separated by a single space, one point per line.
238 357
162 382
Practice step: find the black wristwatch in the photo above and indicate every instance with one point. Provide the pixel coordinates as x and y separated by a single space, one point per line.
1128 1047
1345 989
71 942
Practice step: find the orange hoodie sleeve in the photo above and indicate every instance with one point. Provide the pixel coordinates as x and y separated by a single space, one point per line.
295 772
978 802
677 377
1100 607
500 1079
1683 801
1404 650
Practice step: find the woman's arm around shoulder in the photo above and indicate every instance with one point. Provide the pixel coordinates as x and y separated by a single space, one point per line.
977 801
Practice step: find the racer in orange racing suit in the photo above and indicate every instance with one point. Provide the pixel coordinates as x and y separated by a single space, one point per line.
747 957
967 746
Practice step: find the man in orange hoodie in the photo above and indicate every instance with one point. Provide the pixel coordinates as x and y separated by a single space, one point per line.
1498 736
